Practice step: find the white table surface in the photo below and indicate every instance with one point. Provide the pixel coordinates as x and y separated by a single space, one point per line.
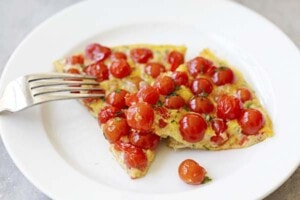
19 17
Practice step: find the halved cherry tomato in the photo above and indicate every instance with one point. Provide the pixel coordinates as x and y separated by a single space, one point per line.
118 55
180 78
211 71
115 128
120 68
201 86
154 69
148 94
98 69
162 111
97 52
201 105
191 172
117 98
109 112
192 127
73 71
175 58
131 99
142 139
141 55
164 84
251 121
244 94
174 102
75 59
162 123
220 139
222 76
218 125
140 116
229 107
198 65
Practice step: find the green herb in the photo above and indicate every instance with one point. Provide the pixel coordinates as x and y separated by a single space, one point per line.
208 118
102 98
177 88
206 148
248 105
186 107
223 68
173 121
203 94
119 113
117 91
159 103
206 180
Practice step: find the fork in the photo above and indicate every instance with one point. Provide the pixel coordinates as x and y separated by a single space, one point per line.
33 89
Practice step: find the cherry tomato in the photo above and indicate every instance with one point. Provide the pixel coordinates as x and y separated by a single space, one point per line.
118 55
174 102
73 71
134 157
115 128
163 112
201 105
154 69
141 55
75 59
251 121
117 98
198 65
229 107
164 84
109 112
99 70
145 140
244 94
201 85
148 94
175 58
180 78
191 172
192 127
220 139
218 125
162 123
140 116
97 52
211 71
120 68
92 100
131 99
222 76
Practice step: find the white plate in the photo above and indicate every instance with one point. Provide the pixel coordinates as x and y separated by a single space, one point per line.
60 149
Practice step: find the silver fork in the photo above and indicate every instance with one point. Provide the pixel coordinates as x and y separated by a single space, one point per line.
30 90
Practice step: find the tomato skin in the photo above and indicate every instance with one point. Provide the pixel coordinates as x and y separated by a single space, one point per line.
218 125
211 71
145 140
148 94
162 123
140 116
244 94
154 69
109 112
141 55
191 172
201 105
118 55
180 78
222 76
165 85
73 71
229 107
120 68
75 59
99 70
201 85
117 98
251 121
192 127
115 128
198 65
97 52
131 99
175 58
174 102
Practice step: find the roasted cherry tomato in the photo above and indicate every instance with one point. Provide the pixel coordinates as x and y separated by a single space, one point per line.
117 98
201 86
211 71
109 112
162 111
91 100
154 69
99 70
191 172
164 84
222 76
218 125
148 94
201 105
141 55
76 59
174 102
131 99
192 127
175 58
180 78
73 71
229 107
120 68
244 94
220 139
118 55
145 140
251 121
115 128
140 116
97 52
198 65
